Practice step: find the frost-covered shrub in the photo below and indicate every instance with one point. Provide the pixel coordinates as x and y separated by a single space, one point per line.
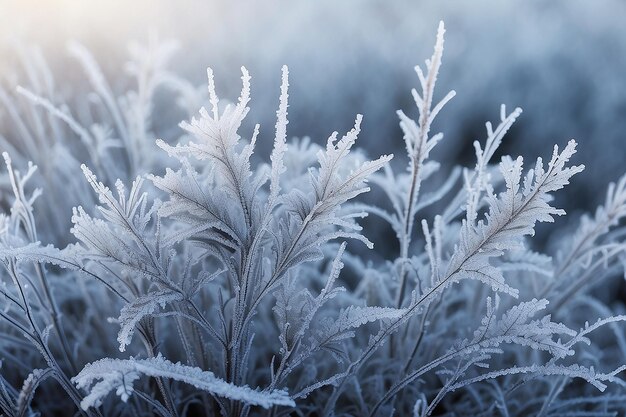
198 280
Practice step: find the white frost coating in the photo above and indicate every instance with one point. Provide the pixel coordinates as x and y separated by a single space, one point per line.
511 216
280 142
119 375
141 307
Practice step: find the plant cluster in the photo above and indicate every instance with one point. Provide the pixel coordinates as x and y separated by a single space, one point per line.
198 280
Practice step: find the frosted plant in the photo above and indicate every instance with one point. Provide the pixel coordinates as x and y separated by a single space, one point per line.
213 283
119 375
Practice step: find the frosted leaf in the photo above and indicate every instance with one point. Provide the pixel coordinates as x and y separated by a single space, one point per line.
35 252
186 196
510 217
280 146
101 377
572 371
354 317
295 310
27 392
217 141
516 327
139 308
316 214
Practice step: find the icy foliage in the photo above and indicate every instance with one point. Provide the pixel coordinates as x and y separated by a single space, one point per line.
118 375
195 279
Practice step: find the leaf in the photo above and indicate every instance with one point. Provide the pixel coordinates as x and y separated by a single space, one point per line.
101 377
27 392
516 327
35 252
141 307
354 317
510 217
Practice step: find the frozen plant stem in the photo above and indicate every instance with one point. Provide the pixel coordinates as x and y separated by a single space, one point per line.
418 145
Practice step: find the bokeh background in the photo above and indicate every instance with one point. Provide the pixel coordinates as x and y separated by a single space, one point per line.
563 62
